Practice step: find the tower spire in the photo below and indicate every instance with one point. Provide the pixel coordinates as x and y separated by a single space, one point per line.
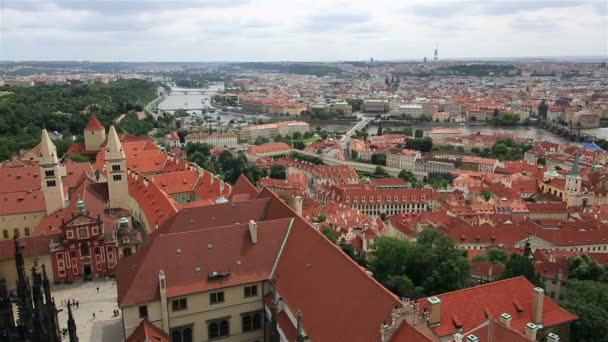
48 151
114 147
71 325
575 167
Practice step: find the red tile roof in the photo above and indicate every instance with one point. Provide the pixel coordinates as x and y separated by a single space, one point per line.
32 246
472 305
17 179
244 187
148 332
94 124
266 148
22 202
226 249
407 333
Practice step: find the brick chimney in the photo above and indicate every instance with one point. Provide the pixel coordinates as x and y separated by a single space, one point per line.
253 231
505 319
537 305
551 337
531 329
434 310
298 205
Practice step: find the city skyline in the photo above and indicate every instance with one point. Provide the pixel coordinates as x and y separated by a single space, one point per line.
299 31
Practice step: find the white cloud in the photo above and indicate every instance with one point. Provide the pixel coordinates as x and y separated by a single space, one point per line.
187 30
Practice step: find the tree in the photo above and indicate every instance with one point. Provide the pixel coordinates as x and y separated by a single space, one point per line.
419 133
330 234
541 161
359 258
494 256
182 135
543 109
378 158
354 154
379 129
521 265
389 259
261 140
589 301
321 218
486 194
380 172
408 176
582 267
277 172
298 144
79 158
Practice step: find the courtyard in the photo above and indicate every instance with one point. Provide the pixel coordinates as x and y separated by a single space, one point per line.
101 327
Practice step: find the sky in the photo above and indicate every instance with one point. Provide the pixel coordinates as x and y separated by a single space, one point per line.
299 30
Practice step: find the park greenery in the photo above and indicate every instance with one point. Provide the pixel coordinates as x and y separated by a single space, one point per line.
420 144
355 103
589 301
227 165
506 119
317 69
277 172
522 265
66 109
307 158
494 257
433 265
503 149
408 176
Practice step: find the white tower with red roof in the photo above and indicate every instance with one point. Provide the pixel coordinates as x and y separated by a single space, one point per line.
116 172
94 134
50 172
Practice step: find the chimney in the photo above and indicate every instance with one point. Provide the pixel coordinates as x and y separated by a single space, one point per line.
537 305
253 231
162 285
472 338
551 337
458 337
298 205
531 331
435 310
505 319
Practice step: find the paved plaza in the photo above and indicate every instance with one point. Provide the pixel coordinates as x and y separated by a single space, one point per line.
104 327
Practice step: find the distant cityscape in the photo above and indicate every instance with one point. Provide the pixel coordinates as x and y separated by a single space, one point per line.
428 200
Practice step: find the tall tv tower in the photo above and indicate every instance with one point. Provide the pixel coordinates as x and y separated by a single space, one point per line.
436 51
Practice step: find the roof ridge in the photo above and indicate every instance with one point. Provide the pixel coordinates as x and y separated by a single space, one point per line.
234 225
482 285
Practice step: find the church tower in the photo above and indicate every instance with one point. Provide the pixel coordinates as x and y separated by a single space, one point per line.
52 185
94 134
573 184
116 172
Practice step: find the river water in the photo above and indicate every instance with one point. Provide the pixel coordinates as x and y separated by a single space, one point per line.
172 102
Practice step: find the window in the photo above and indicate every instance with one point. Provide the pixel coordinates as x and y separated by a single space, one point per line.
117 177
84 250
5 233
179 304
116 167
27 231
251 321
16 232
216 297
83 233
49 173
50 183
143 311
181 334
251 291
97 251
218 328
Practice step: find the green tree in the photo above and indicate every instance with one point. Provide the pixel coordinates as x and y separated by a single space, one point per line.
358 257
582 267
390 255
354 155
330 234
419 133
378 159
486 194
79 158
521 265
589 301
261 141
494 256
278 172
408 176
380 172
321 218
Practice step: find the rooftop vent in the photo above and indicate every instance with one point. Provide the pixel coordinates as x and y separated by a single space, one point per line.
472 338
198 269
209 246
178 251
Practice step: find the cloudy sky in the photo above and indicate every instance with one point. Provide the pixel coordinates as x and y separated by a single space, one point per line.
302 30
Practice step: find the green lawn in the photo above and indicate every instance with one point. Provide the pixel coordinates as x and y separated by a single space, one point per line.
3 93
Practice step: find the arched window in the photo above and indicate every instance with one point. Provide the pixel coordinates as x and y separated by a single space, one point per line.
218 328
5 234
16 232
27 231
84 250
